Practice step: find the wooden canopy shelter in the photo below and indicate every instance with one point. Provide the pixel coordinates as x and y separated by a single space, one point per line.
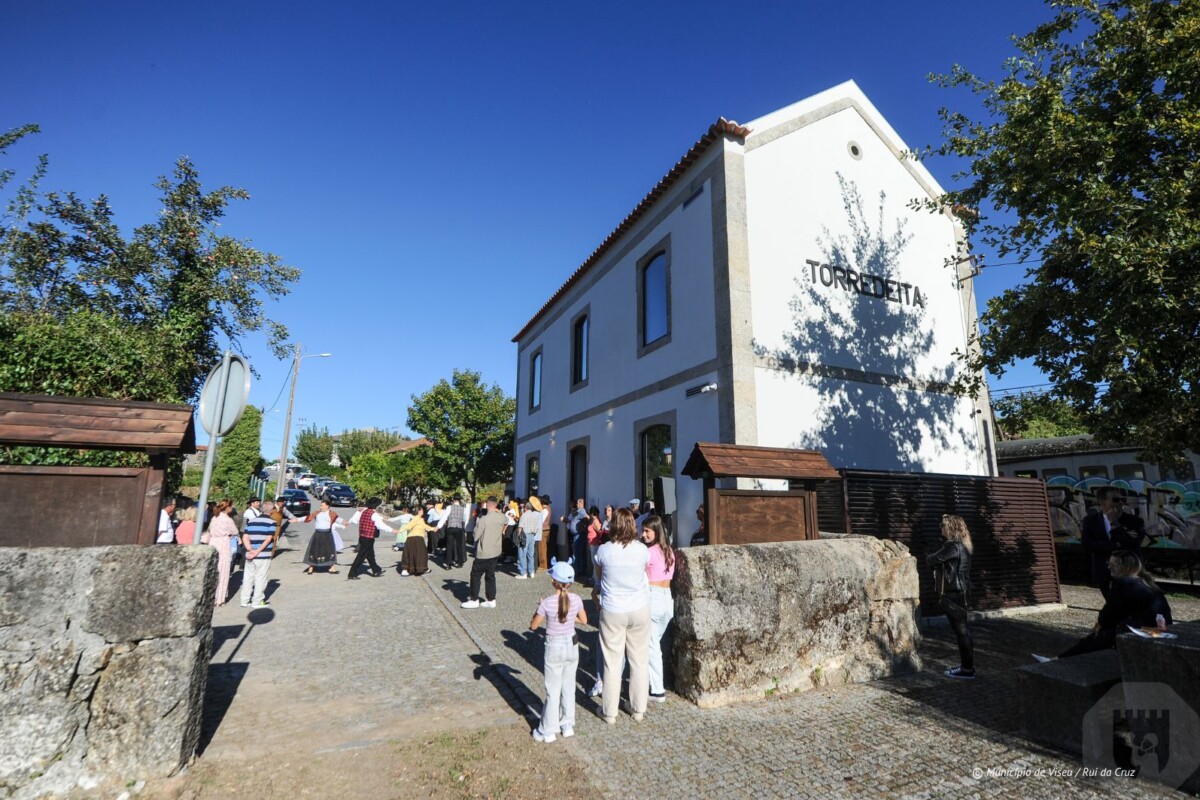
67 506
742 516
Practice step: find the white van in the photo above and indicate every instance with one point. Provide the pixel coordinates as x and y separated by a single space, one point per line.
304 481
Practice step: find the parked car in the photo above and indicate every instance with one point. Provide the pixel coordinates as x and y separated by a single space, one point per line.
297 502
319 484
305 480
339 494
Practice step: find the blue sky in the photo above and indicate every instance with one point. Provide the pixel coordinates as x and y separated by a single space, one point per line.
437 171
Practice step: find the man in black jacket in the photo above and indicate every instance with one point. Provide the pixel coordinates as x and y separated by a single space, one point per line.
1107 530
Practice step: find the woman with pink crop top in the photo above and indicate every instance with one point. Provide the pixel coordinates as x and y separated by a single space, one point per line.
660 568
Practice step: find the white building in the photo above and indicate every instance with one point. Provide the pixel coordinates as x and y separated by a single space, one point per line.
776 288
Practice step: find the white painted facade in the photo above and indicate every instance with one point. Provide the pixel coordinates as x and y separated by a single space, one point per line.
796 362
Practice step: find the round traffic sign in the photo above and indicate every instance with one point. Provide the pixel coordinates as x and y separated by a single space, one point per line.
232 402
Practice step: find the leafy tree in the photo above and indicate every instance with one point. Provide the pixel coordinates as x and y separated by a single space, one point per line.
1085 169
86 312
1034 415
161 304
239 455
313 447
471 427
417 476
352 444
371 474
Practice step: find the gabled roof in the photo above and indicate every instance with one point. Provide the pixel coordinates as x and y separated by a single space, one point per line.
409 445
719 129
715 460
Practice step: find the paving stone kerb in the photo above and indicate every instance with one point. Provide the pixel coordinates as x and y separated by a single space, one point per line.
792 616
103 662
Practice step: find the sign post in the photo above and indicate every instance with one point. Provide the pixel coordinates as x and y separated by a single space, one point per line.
222 401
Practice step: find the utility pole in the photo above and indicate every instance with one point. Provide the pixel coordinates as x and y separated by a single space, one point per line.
281 482
281 479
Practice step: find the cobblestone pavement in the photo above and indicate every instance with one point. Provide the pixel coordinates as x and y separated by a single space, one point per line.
342 664
916 736
349 665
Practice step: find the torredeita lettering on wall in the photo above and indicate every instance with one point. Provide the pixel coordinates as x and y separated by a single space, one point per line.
870 285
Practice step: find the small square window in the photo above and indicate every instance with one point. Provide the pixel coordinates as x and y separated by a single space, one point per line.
1129 472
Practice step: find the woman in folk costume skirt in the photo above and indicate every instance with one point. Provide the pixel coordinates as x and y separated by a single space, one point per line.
415 558
321 550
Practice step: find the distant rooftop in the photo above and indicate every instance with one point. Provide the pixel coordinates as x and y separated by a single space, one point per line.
1021 449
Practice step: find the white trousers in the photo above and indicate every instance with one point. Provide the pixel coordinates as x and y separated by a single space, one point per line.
254 579
662 611
629 634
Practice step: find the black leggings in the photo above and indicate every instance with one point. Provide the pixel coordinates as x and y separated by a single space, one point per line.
1103 639
956 613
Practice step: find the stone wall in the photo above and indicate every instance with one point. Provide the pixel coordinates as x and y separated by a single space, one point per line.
103 662
758 619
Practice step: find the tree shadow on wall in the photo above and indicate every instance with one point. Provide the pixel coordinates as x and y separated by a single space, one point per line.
859 337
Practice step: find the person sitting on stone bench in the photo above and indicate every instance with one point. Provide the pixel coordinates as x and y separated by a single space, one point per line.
1134 599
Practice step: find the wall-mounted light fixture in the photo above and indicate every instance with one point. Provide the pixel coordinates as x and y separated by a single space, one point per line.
695 390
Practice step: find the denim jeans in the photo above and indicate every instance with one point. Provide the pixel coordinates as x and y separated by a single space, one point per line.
662 611
560 665
526 556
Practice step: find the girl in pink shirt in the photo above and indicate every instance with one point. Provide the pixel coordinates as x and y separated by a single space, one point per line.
560 611
660 568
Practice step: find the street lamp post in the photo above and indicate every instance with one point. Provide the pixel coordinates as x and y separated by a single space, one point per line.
280 479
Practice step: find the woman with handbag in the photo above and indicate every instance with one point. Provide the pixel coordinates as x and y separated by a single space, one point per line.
952 577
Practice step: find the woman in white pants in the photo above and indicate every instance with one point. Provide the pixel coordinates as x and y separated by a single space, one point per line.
623 592
660 568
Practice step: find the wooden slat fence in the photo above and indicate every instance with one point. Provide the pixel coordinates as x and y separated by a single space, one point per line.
1014 561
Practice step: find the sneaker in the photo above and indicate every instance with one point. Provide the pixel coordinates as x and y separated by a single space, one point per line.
244 604
638 716
404 573
262 604
470 604
597 690
522 577
959 672
1042 659
658 698
567 733
488 604
351 577
544 738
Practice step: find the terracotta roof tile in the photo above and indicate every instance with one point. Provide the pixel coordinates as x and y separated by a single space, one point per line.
722 127
409 445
